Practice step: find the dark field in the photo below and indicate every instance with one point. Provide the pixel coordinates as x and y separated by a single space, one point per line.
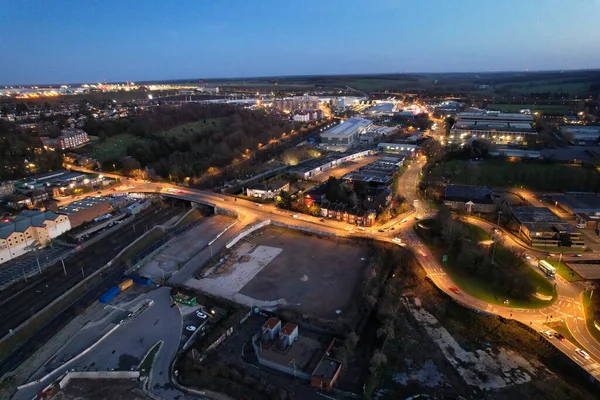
315 275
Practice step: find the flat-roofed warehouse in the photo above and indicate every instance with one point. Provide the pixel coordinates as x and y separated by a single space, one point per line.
580 133
346 134
501 128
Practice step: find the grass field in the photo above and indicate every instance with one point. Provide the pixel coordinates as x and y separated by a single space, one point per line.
549 86
565 271
484 289
477 234
115 147
529 175
548 108
193 128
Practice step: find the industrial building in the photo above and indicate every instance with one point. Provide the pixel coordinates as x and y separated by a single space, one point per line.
406 149
380 172
328 370
85 210
516 153
472 199
578 133
314 167
30 230
383 108
541 227
500 128
345 135
267 190
584 206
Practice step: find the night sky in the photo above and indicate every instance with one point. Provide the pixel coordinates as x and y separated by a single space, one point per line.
62 41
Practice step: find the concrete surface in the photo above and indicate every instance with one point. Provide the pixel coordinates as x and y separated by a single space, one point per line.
125 349
319 282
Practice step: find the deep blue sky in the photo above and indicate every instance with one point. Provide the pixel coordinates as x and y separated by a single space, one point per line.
62 41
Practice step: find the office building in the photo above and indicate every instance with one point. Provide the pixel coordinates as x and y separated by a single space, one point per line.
541 227
500 128
71 138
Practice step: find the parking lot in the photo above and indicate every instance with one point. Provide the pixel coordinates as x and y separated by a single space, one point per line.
27 264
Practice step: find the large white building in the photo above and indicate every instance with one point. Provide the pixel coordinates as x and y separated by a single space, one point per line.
501 128
30 230
345 135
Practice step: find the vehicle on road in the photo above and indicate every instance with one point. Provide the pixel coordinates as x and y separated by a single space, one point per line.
547 268
551 255
381 230
559 336
575 255
200 314
454 289
397 240
190 328
360 228
549 333
258 205
415 201
417 218
322 220
295 216
404 220
582 354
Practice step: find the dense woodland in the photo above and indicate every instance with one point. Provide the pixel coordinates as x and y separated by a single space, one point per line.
16 148
193 153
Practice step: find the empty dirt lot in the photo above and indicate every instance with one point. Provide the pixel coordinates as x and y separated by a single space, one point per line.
315 275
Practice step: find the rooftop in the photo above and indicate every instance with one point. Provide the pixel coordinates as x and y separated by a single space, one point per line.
271 323
25 220
288 329
579 203
494 116
534 214
327 368
348 127
82 204
273 186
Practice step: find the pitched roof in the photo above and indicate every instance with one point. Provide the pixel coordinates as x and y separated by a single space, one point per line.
24 220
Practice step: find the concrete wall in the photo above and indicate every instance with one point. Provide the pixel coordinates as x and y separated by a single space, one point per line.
98 375
248 231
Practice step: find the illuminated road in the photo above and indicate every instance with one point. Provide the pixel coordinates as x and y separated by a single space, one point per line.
568 306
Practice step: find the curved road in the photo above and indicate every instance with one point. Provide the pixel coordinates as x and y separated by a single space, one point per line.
568 306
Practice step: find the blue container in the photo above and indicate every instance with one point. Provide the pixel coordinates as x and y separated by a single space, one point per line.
140 280
109 295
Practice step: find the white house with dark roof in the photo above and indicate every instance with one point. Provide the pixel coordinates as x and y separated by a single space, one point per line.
30 230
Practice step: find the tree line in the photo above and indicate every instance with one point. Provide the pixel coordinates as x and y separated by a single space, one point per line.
191 154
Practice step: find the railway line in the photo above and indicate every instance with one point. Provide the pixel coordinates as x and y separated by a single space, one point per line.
20 301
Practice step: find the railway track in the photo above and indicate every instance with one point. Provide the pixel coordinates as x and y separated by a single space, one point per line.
19 302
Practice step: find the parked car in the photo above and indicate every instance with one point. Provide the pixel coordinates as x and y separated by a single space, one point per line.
190 328
200 314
